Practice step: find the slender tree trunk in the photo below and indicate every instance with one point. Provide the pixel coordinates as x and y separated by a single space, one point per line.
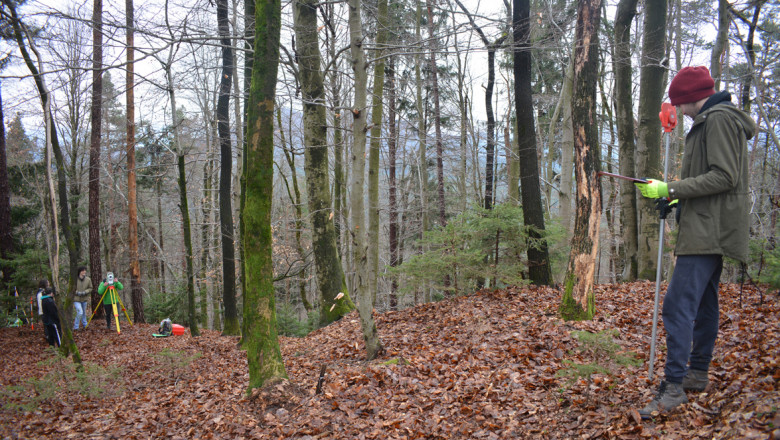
330 277
96 109
533 213
205 230
184 207
648 148
261 340
422 168
392 148
721 40
136 293
578 300
52 147
751 53
437 117
6 239
567 150
626 11
225 172
158 188
297 202
360 284
373 152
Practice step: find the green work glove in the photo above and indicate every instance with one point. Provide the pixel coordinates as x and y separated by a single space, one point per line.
653 189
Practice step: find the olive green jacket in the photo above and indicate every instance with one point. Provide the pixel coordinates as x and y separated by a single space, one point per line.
714 215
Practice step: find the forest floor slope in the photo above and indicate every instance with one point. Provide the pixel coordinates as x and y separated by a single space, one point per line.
492 365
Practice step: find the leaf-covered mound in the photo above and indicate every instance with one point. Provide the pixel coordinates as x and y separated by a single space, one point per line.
491 365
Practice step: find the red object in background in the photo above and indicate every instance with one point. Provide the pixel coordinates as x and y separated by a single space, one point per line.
668 117
178 330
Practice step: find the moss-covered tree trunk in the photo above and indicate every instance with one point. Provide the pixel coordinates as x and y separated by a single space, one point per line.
625 122
260 338
578 298
330 276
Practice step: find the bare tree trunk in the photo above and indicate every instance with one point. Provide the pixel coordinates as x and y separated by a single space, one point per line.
330 276
533 213
136 293
578 300
360 289
437 117
648 157
231 325
96 109
625 121
6 239
721 40
567 150
373 152
392 147
52 147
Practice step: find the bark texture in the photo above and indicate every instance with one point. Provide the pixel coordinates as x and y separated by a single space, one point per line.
626 11
533 212
96 109
330 276
261 340
136 294
358 233
225 172
578 299
651 90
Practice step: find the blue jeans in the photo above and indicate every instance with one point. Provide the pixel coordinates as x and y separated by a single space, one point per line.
81 314
690 314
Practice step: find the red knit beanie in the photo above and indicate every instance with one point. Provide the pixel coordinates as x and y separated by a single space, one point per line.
690 85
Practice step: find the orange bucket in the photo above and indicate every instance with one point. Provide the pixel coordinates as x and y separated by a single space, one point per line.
178 330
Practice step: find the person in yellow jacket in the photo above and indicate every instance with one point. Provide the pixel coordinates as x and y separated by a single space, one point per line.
111 297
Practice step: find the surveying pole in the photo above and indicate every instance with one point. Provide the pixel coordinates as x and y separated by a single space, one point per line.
668 117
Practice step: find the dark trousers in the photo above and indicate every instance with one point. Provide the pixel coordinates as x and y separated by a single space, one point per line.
51 322
109 309
690 314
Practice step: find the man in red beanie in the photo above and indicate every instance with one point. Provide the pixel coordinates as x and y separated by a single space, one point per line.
713 220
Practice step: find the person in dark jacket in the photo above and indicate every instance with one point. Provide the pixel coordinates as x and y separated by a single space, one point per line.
47 310
713 218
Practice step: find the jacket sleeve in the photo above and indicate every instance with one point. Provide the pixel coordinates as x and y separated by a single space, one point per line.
723 141
88 288
101 288
118 285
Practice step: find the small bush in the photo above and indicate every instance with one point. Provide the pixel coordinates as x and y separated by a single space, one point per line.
170 304
288 324
91 381
174 363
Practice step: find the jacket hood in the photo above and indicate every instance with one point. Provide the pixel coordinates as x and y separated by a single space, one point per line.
721 101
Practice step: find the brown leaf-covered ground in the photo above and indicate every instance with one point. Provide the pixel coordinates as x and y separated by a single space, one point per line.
482 366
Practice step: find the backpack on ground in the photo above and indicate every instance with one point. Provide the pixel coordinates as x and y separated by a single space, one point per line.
166 329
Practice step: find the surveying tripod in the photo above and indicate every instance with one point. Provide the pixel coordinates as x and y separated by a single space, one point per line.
111 290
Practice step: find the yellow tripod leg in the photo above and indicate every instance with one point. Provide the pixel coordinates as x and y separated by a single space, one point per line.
96 308
125 310
116 317
113 306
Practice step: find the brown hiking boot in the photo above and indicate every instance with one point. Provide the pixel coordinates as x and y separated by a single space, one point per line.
670 396
695 380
